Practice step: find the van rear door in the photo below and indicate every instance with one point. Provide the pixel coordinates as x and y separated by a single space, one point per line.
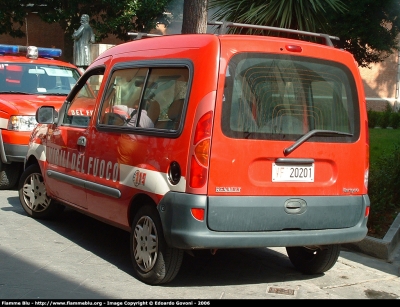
289 147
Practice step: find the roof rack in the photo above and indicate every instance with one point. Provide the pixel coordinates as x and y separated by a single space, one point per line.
224 25
140 35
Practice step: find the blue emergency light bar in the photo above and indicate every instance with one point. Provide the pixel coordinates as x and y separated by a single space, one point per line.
42 52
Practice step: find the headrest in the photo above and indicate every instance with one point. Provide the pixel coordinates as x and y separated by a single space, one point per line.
153 110
175 109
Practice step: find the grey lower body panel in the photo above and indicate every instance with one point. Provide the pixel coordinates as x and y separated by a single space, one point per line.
262 221
15 153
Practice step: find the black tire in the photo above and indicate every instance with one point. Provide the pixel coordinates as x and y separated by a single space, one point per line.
33 197
153 261
313 259
9 174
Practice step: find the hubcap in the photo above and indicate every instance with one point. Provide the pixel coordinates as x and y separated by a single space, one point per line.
145 243
35 193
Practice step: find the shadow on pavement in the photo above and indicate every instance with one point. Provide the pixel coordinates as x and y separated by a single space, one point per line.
226 267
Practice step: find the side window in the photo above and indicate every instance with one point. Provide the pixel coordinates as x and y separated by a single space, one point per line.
80 110
145 98
122 96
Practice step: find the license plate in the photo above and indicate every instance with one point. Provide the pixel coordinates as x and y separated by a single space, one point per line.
292 173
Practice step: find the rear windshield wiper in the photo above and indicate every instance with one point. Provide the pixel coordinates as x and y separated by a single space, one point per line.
329 133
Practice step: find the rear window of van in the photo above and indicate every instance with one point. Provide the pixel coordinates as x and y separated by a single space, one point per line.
283 97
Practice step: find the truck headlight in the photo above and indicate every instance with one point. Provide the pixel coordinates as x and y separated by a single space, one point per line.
21 123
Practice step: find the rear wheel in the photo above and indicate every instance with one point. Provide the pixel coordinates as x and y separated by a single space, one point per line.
9 174
313 259
33 196
153 261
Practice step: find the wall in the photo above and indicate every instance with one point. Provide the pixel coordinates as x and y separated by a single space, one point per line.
381 83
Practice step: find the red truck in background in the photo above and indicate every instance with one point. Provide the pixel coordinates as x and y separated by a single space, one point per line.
29 77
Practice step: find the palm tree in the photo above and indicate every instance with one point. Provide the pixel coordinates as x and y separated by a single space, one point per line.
305 15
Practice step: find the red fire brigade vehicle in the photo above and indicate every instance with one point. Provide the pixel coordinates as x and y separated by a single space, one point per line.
211 141
29 78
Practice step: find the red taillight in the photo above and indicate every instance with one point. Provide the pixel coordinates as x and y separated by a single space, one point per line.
200 157
198 174
366 171
201 152
367 211
198 214
203 128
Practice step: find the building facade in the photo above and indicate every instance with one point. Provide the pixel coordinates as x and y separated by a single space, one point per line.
381 80
381 83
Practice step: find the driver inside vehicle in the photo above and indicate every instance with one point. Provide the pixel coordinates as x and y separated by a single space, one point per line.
148 116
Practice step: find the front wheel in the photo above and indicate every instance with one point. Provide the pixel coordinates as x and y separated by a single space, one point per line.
153 261
33 196
313 259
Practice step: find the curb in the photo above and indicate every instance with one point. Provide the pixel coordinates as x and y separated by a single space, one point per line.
385 248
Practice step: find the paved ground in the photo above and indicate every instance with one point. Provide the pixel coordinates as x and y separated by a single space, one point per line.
76 257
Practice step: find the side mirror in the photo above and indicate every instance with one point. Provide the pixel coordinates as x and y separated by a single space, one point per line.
46 115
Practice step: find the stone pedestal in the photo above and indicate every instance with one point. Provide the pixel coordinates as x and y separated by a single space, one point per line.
95 51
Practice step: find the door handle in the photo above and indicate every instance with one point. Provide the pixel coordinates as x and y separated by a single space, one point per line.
81 141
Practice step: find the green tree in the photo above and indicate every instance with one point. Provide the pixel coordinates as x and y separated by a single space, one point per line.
106 17
12 15
194 16
306 15
367 28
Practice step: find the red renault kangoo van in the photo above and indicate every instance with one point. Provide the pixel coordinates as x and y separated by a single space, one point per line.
211 141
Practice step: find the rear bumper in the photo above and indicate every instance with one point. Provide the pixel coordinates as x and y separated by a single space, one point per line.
183 231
